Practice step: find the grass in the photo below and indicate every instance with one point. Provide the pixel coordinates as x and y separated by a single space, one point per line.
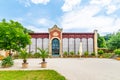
31 75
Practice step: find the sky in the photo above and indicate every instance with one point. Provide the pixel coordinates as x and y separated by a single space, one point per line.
71 15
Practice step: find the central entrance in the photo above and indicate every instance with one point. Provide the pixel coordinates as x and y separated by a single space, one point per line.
55 41
55 47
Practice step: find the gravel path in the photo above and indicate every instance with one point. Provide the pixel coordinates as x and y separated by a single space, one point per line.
76 68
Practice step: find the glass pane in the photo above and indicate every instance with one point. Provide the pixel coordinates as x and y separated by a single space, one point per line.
55 47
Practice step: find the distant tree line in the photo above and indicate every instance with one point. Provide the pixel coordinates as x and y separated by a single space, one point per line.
110 41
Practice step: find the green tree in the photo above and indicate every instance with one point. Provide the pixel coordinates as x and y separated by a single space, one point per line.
101 42
107 37
13 36
114 42
12 23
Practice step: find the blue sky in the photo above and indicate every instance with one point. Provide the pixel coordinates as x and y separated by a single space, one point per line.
71 15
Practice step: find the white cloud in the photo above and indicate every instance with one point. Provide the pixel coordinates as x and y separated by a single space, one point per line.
117 24
110 5
20 19
79 18
36 29
27 3
40 1
45 22
70 4
101 2
88 19
111 9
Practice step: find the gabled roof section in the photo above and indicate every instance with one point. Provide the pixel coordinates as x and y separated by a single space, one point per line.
55 27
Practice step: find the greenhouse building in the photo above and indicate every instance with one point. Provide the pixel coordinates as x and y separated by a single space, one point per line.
58 42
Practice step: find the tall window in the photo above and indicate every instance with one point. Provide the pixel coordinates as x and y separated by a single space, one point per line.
55 47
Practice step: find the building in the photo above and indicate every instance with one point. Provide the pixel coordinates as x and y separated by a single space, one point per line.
58 42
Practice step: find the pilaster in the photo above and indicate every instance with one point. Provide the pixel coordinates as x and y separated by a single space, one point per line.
95 43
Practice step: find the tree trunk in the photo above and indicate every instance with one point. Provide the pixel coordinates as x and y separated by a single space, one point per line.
24 61
43 59
10 54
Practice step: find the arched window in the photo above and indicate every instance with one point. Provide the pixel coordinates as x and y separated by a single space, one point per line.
55 47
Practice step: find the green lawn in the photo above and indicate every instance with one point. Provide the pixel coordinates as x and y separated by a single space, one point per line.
31 75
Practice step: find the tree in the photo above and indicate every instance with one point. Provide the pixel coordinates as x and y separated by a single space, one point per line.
13 36
107 37
114 42
24 55
43 54
101 42
12 23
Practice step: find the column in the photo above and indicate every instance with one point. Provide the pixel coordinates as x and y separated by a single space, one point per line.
80 49
87 45
61 51
68 45
95 42
50 48
42 43
36 45
74 47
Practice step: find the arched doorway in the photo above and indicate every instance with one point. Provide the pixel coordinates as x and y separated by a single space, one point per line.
55 47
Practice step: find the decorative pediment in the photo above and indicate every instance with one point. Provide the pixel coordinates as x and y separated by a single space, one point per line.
55 27
55 32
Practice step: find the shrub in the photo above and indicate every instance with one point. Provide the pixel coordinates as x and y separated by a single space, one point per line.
7 62
117 52
30 55
86 53
65 53
100 52
107 55
78 53
1 57
71 53
92 54
36 55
